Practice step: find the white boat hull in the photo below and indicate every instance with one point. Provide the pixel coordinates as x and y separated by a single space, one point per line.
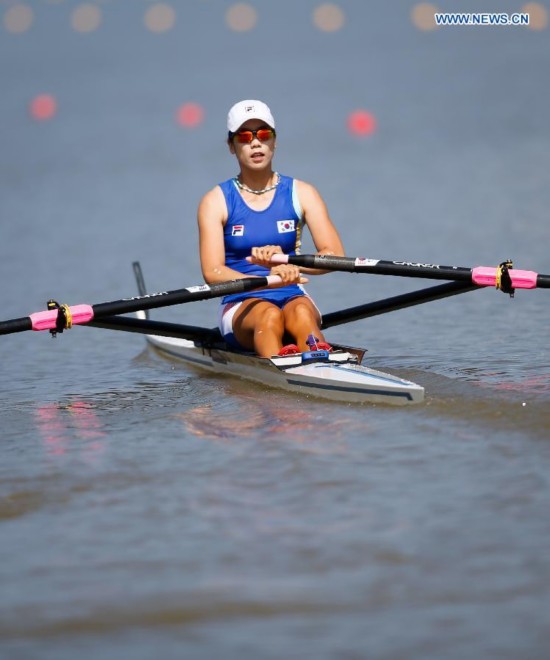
340 378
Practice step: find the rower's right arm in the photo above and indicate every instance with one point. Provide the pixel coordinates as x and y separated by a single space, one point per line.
212 216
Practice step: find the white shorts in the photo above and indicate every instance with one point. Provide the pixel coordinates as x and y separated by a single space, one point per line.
227 311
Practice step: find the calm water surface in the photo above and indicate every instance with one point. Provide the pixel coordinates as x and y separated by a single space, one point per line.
149 511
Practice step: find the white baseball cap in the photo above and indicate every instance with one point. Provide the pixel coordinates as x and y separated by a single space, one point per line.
245 110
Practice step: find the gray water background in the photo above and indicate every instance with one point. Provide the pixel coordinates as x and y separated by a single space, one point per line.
149 511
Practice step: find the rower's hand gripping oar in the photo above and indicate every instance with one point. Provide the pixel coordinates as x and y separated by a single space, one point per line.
61 317
503 277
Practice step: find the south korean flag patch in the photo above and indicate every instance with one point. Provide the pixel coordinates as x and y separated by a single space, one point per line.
285 226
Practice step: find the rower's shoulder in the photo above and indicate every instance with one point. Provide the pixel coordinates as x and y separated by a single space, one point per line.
213 202
306 191
213 197
304 185
213 194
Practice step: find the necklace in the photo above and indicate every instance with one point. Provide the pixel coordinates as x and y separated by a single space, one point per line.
258 192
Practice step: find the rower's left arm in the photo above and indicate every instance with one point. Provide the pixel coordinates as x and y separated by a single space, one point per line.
323 232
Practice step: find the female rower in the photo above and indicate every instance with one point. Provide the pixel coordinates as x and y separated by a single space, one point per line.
256 214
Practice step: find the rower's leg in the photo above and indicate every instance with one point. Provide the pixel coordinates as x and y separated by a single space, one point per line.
259 326
301 320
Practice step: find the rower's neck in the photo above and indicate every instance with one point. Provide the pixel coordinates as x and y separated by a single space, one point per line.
257 180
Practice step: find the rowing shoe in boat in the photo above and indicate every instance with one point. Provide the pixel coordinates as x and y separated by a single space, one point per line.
337 375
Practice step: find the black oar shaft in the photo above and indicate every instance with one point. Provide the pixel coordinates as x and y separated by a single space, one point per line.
162 328
85 313
381 267
180 296
396 302
15 325
503 277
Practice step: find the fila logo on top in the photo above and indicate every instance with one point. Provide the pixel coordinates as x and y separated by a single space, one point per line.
284 226
237 230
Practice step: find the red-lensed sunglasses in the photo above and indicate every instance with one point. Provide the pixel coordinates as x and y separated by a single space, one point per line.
246 136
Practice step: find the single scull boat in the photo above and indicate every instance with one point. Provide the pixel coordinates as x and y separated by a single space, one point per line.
336 375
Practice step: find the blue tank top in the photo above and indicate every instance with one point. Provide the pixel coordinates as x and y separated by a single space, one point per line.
279 224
